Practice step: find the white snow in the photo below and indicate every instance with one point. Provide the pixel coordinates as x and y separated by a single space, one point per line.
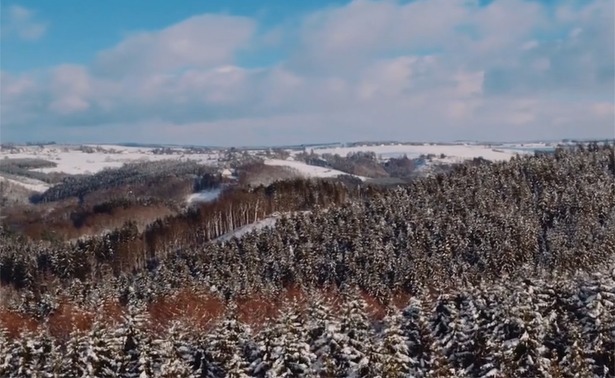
204 196
454 153
71 160
258 225
28 183
306 169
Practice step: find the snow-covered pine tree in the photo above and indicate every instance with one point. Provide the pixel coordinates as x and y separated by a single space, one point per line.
291 355
325 338
33 355
444 329
359 338
74 357
135 352
5 353
462 348
487 340
575 363
392 348
175 353
227 344
596 310
21 352
528 355
200 360
260 357
46 356
102 350
417 333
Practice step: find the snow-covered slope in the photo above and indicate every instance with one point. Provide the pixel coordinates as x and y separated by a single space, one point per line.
28 183
258 225
73 160
204 196
453 153
306 169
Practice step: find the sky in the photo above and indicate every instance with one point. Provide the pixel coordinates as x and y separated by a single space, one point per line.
273 72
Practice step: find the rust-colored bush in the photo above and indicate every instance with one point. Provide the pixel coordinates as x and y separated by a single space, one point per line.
197 309
15 323
66 318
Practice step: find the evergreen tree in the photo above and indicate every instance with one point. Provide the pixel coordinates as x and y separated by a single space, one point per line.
228 344
393 347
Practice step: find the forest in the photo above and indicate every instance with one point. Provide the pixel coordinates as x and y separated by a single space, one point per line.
485 270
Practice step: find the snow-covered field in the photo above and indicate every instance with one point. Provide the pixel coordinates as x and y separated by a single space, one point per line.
204 196
72 160
241 231
28 183
307 170
89 159
453 153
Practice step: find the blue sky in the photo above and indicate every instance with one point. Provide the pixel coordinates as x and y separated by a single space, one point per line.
277 72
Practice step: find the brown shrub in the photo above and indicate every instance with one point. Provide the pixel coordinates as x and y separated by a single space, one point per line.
15 323
197 309
67 318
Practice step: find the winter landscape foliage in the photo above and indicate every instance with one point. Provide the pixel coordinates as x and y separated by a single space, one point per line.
490 269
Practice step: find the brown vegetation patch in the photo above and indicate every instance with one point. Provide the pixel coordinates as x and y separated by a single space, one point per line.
197 309
67 318
15 323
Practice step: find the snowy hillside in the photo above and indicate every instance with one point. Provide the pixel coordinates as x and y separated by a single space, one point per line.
452 153
307 170
90 159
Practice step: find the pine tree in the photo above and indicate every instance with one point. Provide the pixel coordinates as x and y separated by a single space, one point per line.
291 355
74 361
445 329
102 351
325 339
6 355
228 343
359 342
416 330
393 347
175 353
135 343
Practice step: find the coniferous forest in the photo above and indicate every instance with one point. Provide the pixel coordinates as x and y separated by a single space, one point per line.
488 270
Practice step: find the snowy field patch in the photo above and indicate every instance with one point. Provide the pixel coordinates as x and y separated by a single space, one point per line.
307 170
204 196
28 183
72 160
453 153
241 231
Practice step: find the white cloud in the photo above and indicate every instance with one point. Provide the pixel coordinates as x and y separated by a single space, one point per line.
23 23
200 41
423 70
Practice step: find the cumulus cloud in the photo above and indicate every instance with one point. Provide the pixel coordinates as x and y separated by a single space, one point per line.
200 41
421 70
23 23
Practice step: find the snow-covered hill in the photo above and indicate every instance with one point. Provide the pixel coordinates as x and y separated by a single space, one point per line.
307 170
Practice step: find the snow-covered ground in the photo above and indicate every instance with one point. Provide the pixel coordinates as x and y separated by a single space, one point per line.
306 169
71 160
204 196
28 183
453 153
258 225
